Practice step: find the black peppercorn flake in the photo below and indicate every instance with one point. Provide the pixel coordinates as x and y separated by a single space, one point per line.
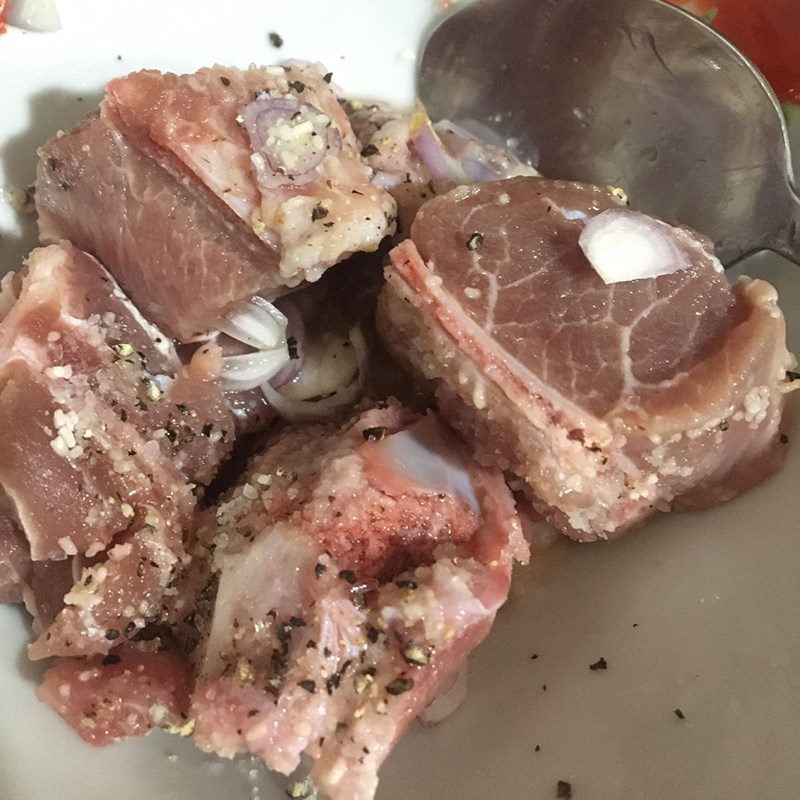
225 81
112 634
309 685
327 77
373 434
318 212
475 241
348 575
275 39
679 714
298 86
783 439
564 790
406 583
601 663
320 570
111 659
399 686
369 150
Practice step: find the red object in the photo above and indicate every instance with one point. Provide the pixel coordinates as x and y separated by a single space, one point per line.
768 31
3 12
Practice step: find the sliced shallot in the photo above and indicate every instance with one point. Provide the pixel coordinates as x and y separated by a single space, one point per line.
255 322
295 339
259 324
248 370
626 245
39 16
296 410
289 138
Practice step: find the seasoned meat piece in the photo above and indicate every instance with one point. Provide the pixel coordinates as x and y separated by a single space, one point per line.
103 437
212 187
126 693
348 575
611 402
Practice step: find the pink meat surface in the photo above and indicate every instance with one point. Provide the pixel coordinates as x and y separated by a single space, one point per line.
349 574
103 436
15 561
125 693
187 228
610 401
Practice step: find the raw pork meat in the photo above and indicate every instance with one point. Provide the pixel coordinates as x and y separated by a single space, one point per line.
103 436
416 159
212 187
15 561
610 402
125 693
341 582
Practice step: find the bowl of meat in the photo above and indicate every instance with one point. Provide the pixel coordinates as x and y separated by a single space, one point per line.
344 455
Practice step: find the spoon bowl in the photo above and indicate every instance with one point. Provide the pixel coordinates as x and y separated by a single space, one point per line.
636 94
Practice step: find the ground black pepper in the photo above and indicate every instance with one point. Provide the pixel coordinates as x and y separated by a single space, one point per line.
373 434
399 686
475 241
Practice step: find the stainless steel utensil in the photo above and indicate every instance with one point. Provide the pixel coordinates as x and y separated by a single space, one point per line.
637 94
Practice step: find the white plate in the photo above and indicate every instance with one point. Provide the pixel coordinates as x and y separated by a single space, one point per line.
699 612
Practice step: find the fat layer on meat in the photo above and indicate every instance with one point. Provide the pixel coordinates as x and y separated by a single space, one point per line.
610 402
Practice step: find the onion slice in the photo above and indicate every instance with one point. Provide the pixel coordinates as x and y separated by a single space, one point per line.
258 324
39 16
451 153
255 322
317 410
290 139
626 245
296 331
448 700
249 370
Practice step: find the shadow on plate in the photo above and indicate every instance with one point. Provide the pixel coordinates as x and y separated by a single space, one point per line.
50 110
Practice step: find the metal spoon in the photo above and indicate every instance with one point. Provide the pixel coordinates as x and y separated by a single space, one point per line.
637 94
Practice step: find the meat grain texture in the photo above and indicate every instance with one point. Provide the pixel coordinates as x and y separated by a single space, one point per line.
188 230
609 402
